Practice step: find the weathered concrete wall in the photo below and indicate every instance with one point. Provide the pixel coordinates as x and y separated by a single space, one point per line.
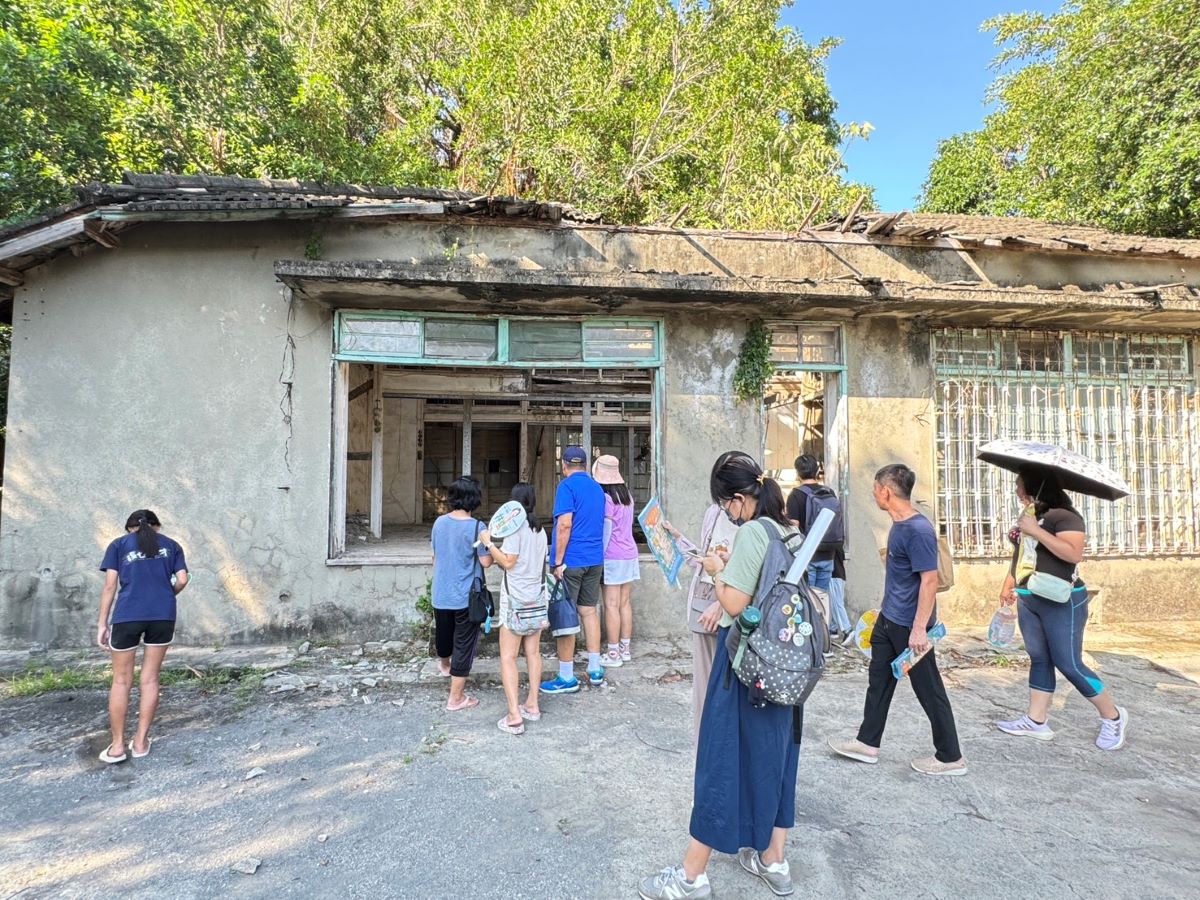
890 420
183 415
150 375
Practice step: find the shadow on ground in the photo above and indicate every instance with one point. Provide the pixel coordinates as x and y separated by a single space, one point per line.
384 793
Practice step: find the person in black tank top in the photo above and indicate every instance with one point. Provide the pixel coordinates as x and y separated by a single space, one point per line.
1053 631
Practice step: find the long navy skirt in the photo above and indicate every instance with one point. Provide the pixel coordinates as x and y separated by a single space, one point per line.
745 765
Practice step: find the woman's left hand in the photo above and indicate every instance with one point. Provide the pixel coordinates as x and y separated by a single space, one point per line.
485 537
713 564
1028 525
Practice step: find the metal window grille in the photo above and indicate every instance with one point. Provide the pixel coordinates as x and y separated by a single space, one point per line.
1126 400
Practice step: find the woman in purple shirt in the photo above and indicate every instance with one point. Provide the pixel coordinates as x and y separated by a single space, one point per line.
620 559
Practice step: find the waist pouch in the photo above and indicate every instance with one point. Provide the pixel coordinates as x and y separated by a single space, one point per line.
1050 587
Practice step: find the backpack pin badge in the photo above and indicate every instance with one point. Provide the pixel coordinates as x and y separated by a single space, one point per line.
805 629
787 610
798 637
785 635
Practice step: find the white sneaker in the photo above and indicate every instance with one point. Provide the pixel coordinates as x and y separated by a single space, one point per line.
612 659
1026 727
1112 731
778 876
672 884
626 656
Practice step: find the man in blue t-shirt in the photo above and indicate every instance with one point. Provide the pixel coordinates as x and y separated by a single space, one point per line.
908 611
577 560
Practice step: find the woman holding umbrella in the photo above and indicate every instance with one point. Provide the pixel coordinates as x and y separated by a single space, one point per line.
1052 601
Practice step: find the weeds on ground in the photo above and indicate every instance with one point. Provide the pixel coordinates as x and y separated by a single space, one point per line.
423 630
37 680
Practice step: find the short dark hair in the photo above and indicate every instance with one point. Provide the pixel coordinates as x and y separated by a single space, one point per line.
806 465
464 494
899 477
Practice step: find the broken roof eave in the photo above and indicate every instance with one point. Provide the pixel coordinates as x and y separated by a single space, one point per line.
377 284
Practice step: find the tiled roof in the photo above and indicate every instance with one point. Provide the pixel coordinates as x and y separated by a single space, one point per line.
1013 232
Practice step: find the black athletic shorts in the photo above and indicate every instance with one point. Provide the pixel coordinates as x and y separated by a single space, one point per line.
127 635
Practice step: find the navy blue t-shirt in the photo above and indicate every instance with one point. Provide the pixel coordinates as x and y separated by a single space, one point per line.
580 495
912 549
146 594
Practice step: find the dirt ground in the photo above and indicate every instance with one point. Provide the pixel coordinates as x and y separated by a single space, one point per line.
370 788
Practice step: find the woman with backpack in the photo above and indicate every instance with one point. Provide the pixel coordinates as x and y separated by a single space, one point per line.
456 567
745 784
150 571
523 607
620 559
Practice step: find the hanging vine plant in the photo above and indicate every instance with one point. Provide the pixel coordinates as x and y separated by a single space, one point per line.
754 366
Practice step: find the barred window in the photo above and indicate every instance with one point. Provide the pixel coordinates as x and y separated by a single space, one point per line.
1126 400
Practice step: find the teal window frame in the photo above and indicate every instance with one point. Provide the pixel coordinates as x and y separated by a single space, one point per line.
502 357
839 369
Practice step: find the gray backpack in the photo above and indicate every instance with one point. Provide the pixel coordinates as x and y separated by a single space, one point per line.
781 660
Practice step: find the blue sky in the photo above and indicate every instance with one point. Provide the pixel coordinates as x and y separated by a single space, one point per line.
915 69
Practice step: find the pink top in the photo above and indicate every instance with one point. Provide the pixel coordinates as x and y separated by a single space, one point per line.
621 545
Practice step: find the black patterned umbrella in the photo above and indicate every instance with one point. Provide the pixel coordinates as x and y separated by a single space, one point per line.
1074 470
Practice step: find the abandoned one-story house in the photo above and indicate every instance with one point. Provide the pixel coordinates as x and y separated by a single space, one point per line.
291 374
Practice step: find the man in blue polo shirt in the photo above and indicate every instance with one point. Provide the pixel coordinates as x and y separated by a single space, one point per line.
577 559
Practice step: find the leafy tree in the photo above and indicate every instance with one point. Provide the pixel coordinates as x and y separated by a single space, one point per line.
704 113
1099 123
91 87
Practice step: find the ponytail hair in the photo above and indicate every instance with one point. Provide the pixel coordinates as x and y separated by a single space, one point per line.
524 494
145 521
736 472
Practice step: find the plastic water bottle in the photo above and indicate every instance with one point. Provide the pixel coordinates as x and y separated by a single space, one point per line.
1002 633
747 622
906 660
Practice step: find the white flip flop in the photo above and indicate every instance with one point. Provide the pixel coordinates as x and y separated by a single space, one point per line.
106 758
137 755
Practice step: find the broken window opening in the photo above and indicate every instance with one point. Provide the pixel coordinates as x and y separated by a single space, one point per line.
501 425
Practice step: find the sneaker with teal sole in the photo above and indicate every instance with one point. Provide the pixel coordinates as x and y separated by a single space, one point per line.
560 685
596 678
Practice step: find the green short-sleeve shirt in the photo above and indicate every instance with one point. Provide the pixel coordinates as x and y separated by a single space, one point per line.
746 559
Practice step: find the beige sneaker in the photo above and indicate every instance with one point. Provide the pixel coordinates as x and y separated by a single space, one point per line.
855 750
931 765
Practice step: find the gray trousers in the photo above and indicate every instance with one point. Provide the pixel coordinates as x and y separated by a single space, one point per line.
704 648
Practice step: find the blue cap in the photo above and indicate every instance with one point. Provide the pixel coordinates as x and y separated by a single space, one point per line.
575 455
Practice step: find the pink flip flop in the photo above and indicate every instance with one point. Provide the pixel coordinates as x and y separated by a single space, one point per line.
510 729
530 716
467 703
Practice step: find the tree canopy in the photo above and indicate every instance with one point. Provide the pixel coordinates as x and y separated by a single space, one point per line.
705 113
1097 121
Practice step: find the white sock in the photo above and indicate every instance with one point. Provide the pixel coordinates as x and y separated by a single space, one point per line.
625 645
593 662
566 670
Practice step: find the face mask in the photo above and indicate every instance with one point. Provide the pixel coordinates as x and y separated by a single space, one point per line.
739 522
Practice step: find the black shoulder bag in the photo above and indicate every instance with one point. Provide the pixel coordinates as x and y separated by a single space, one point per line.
481 605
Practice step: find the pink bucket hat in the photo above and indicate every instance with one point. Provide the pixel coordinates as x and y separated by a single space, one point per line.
607 470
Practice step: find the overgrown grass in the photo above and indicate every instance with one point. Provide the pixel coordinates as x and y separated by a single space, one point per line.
36 680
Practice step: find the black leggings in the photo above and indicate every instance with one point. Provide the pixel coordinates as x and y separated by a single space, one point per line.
456 638
888 641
